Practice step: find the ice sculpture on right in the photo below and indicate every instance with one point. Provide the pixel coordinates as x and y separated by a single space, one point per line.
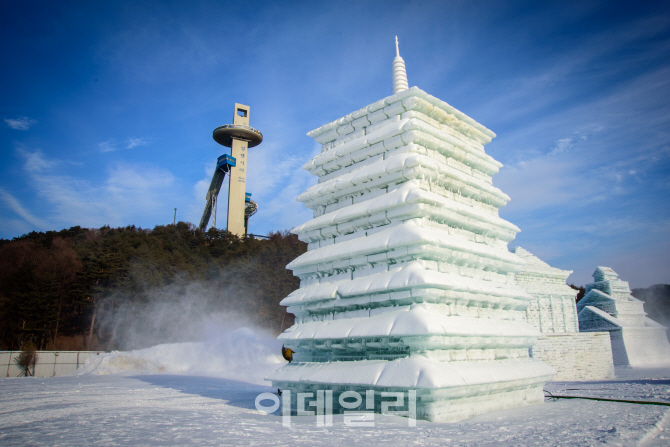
609 306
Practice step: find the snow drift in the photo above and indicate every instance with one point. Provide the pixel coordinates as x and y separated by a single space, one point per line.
243 354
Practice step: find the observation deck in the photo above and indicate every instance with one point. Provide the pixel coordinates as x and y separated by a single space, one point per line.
224 135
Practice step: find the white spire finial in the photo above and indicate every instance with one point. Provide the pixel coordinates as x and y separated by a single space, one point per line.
399 72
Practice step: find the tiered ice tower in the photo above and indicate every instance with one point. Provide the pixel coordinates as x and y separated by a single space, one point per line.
608 305
407 283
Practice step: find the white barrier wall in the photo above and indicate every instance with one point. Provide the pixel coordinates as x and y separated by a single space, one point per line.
576 356
49 363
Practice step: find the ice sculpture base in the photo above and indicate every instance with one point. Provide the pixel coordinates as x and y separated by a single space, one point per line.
445 391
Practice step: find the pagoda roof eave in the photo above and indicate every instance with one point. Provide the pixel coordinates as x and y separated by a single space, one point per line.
413 91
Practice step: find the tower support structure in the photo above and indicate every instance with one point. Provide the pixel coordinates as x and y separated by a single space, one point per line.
239 137
238 174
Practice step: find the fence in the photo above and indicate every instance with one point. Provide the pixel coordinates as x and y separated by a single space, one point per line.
49 363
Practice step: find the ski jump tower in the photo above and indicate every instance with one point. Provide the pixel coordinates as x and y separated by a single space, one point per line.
238 136
407 285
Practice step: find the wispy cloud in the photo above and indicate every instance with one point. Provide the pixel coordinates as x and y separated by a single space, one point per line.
134 142
11 202
128 193
20 123
35 161
129 143
107 146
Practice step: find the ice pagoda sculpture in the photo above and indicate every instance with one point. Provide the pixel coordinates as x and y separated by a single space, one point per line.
609 306
407 283
575 355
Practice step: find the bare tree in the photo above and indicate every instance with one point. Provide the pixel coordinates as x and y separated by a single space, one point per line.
27 359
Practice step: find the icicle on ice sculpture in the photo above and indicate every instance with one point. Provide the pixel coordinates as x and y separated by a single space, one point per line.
407 283
609 306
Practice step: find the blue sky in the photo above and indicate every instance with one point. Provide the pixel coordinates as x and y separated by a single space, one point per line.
107 110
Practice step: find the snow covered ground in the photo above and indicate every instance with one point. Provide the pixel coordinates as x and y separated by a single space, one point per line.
128 407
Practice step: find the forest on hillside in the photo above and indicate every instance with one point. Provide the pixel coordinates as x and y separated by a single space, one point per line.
127 288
